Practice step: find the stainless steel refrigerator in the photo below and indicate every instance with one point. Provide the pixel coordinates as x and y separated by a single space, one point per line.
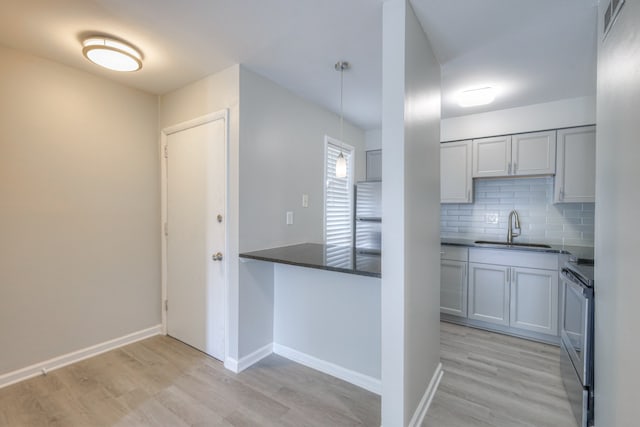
368 217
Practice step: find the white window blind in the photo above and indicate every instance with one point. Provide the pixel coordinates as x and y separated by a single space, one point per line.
338 206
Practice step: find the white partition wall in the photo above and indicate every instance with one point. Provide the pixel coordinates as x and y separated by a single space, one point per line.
410 201
617 290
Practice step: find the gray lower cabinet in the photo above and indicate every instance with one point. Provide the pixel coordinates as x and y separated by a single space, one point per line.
453 280
515 289
489 293
534 300
453 287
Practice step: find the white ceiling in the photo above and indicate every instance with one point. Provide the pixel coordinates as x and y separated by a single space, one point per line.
533 51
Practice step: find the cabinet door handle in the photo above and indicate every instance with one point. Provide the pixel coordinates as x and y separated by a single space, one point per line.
561 193
509 171
508 275
515 167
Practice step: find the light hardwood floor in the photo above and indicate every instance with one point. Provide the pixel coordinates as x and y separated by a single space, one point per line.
497 380
163 382
490 380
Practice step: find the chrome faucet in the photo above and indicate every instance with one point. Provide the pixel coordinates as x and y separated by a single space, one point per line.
510 233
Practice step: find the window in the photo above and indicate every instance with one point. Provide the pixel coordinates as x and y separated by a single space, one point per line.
338 195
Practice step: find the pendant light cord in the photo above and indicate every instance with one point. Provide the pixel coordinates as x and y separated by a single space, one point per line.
341 162
341 106
341 66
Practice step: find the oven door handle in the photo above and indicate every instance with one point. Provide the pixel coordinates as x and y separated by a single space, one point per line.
573 282
585 341
566 274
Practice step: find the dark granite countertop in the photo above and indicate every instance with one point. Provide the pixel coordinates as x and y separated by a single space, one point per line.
578 254
324 257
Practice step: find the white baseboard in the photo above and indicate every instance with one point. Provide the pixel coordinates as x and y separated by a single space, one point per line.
371 384
238 366
231 364
427 398
76 356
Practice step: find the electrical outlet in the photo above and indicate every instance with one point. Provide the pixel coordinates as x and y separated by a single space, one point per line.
289 218
492 218
305 200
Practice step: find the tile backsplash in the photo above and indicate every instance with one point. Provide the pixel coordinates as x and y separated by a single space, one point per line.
542 221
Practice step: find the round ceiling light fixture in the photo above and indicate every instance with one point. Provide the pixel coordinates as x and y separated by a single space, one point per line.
112 54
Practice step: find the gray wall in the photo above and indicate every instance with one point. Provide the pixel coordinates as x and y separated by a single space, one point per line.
281 157
617 350
339 314
256 310
411 211
79 208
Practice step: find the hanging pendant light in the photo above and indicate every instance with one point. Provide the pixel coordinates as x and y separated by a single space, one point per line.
341 166
341 162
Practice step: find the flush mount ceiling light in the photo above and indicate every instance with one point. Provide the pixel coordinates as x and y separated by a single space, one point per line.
475 97
341 162
112 54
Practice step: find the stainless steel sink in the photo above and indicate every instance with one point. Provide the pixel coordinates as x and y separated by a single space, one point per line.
522 245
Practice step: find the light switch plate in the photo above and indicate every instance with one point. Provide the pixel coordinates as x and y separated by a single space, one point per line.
289 218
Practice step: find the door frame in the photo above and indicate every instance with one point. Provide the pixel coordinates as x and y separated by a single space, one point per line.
164 134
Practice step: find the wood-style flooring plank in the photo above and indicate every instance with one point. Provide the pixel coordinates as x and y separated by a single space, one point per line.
490 380
163 382
497 380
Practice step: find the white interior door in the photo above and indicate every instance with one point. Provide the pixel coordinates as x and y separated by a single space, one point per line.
196 183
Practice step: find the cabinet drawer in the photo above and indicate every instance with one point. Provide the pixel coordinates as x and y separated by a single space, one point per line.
514 257
454 253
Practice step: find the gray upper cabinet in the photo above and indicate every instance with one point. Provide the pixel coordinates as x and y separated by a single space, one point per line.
374 165
523 154
456 180
534 153
575 176
492 156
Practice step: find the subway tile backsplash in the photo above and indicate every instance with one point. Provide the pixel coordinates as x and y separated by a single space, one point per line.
542 221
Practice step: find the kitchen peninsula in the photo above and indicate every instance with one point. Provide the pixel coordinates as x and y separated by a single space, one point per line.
327 308
324 257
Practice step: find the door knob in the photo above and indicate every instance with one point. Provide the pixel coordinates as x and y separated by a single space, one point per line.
217 256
